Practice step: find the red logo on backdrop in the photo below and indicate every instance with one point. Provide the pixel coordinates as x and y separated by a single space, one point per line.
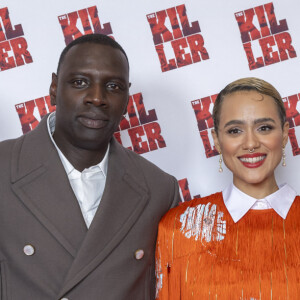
292 106
141 126
31 112
184 187
184 38
82 22
272 37
203 111
13 47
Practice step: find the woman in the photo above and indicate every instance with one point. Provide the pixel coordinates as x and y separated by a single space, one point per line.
242 243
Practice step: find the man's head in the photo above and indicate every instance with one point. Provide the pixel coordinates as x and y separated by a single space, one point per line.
101 39
90 91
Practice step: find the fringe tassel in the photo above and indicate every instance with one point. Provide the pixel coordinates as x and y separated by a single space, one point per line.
258 258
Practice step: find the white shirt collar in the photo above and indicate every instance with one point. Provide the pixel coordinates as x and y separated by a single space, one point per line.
67 165
239 203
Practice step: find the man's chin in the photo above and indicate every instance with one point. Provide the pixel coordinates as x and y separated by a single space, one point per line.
92 144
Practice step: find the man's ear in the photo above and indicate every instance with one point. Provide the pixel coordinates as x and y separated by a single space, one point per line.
53 89
216 140
125 109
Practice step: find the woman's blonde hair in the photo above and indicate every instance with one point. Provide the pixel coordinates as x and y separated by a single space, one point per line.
249 84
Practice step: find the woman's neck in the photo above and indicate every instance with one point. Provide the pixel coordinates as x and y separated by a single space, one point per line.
257 190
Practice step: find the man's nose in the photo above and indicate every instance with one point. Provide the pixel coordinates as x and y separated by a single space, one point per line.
95 95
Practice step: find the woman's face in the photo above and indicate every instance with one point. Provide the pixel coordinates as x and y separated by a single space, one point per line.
250 121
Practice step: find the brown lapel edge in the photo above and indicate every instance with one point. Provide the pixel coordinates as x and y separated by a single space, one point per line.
28 168
123 202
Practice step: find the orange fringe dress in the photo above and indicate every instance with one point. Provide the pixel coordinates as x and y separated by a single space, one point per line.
202 254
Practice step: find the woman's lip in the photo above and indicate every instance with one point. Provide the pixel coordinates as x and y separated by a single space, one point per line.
250 155
252 161
92 123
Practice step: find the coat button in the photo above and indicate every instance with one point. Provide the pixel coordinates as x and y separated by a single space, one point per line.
28 250
139 254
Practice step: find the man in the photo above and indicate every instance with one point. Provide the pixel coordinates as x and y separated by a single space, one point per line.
78 212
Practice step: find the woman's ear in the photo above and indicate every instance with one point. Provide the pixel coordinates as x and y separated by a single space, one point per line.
216 140
286 128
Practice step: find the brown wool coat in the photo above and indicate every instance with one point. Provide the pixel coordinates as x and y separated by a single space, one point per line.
39 208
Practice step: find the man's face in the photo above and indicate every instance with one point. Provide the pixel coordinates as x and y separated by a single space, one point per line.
91 94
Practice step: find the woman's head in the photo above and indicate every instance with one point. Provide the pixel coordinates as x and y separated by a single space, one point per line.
250 130
249 84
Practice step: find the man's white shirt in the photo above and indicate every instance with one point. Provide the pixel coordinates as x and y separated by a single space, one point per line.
88 185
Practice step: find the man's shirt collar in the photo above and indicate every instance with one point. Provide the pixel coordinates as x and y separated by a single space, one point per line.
239 203
67 165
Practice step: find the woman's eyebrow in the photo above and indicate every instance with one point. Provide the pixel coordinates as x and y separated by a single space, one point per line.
263 120
256 121
234 122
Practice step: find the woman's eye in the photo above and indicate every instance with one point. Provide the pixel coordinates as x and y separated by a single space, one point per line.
265 128
234 131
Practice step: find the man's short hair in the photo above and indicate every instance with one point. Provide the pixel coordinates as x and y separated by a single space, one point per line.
95 38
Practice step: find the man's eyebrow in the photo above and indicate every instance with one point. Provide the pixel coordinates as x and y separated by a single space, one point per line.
87 74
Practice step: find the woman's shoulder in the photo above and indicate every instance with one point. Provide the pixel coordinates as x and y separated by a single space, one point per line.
297 200
177 211
213 198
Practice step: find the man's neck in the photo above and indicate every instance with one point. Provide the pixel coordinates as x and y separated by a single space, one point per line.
81 158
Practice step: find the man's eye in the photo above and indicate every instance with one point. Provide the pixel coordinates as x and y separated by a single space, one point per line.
113 86
79 83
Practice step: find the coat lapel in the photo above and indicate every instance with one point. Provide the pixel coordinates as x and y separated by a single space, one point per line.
40 182
125 197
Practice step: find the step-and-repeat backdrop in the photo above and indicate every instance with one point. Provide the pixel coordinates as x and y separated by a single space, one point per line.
181 53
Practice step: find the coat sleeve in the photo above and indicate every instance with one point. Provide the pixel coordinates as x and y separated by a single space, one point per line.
176 198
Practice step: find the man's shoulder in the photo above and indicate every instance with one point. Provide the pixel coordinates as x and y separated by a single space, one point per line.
161 186
35 134
146 165
6 146
6 156
30 144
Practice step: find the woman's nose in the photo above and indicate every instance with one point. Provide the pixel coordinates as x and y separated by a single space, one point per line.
251 141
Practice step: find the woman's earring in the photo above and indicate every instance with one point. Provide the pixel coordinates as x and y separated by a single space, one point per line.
220 163
283 157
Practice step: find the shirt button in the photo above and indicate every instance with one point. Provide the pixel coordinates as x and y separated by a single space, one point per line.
64 299
28 250
139 254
